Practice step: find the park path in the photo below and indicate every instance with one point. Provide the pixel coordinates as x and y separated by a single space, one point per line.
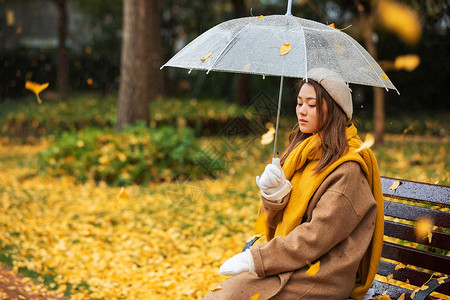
13 286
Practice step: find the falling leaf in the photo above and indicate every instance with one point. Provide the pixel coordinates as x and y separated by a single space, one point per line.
313 269
402 297
424 228
400 266
395 185
401 19
370 140
407 62
122 195
267 137
389 277
339 47
384 76
206 56
246 67
255 296
285 48
441 280
36 88
217 288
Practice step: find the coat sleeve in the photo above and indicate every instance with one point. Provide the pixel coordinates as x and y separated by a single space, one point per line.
332 220
274 213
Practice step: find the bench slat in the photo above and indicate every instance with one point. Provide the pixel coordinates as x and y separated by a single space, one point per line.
407 232
417 191
414 277
392 290
412 213
415 257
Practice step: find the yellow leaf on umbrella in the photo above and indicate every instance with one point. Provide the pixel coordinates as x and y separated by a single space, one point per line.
267 137
332 25
370 140
395 185
339 47
217 288
206 56
384 76
285 48
36 88
255 296
400 266
313 269
400 19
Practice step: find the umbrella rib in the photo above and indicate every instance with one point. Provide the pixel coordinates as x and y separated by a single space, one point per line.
304 45
228 44
387 89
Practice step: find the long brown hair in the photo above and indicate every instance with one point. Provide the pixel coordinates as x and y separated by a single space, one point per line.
331 129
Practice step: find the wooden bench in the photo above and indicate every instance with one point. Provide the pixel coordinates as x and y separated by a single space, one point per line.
414 259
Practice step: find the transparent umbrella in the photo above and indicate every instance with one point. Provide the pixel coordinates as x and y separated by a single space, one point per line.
280 45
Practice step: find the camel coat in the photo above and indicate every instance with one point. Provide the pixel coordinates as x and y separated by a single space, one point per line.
336 230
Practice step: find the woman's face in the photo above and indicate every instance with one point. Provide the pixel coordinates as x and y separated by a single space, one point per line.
307 114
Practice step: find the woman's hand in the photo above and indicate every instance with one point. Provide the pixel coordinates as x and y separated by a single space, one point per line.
273 183
241 262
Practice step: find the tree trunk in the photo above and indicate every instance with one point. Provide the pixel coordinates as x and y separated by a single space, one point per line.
367 23
140 79
244 90
63 60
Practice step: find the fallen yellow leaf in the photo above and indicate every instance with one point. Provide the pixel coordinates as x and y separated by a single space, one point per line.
370 140
395 185
285 48
441 280
217 288
122 194
255 296
36 88
400 266
424 228
389 277
424 287
206 56
402 297
313 269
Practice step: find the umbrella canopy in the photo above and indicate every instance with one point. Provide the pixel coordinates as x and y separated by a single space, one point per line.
255 45
280 45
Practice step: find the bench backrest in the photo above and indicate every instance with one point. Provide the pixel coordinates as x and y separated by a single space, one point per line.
429 251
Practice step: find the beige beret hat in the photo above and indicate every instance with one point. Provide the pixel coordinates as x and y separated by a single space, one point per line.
336 86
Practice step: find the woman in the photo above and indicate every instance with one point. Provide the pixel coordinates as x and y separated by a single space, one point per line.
324 207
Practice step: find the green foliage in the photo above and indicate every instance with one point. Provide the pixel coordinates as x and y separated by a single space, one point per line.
136 155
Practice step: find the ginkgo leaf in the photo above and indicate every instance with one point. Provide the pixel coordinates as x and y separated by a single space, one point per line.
430 235
395 185
407 62
267 137
285 48
370 140
400 266
389 277
332 25
339 47
122 194
313 269
414 293
424 228
255 296
384 76
216 288
36 88
424 287
441 280
401 19
206 56
402 297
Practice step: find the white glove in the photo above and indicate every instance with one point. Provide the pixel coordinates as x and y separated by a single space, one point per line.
241 262
273 183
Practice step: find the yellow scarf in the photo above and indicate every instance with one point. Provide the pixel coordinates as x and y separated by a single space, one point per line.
299 169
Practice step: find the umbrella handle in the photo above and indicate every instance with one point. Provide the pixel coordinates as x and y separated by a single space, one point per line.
280 94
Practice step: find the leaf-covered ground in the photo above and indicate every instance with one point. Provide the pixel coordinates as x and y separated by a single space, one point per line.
160 241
